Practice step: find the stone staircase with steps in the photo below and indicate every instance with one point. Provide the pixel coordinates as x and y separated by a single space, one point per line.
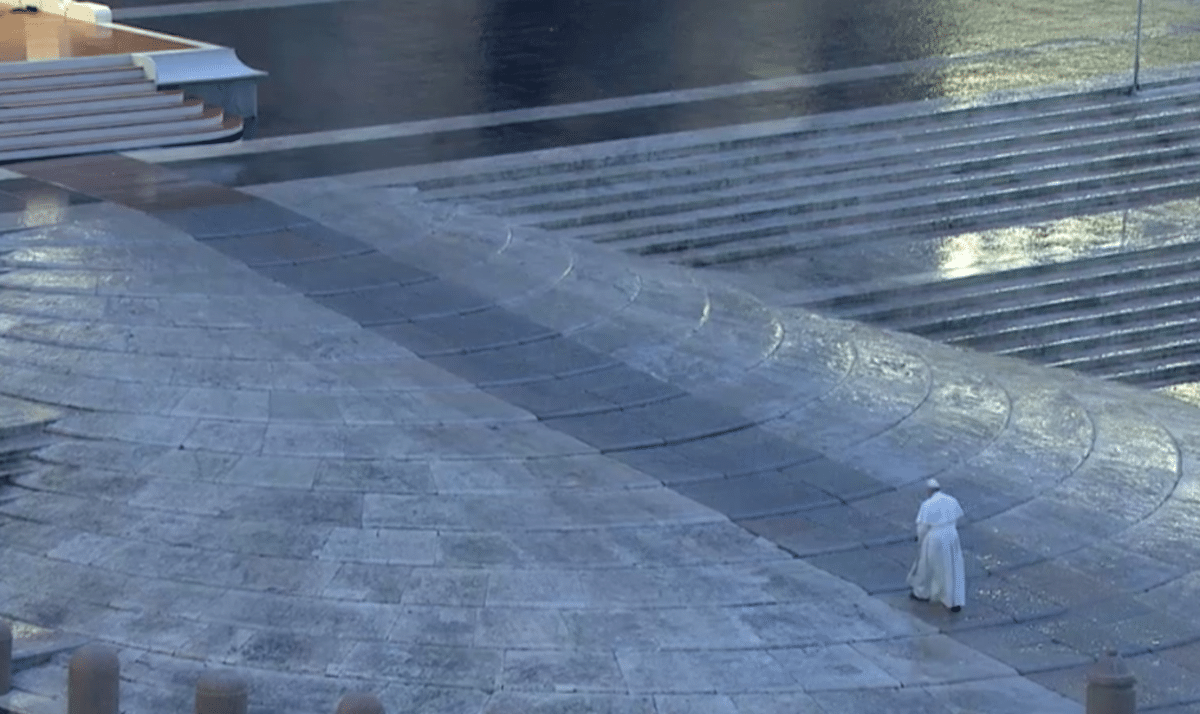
93 104
923 174
906 175
1133 316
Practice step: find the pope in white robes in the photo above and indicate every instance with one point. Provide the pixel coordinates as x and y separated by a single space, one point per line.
938 572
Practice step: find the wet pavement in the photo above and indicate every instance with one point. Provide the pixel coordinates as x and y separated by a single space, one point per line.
346 439
338 437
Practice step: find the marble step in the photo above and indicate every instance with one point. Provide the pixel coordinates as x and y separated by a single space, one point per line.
797 226
1102 341
984 319
178 110
64 64
91 105
78 91
1161 374
853 305
97 75
814 193
36 70
1068 283
828 166
162 135
1042 330
722 187
1128 358
595 168
128 126
782 237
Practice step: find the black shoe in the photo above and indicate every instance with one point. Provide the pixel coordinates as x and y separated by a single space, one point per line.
956 608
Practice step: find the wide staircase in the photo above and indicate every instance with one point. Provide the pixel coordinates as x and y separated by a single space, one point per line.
910 174
22 432
92 104
1132 316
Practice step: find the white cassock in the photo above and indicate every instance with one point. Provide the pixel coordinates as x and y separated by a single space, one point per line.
938 572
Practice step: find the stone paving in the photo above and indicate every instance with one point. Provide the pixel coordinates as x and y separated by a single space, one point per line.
339 439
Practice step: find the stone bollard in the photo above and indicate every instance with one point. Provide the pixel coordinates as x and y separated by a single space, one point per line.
355 703
93 681
5 656
221 693
1110 687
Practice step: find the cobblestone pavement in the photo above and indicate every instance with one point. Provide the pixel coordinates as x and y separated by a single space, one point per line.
338 439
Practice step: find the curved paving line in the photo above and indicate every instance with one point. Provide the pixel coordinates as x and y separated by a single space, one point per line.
1109 597
448 219
99 372
708 432
859 375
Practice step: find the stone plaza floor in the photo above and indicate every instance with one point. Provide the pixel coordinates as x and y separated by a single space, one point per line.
336 438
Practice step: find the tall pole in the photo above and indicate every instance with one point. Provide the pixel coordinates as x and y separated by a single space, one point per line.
1137 49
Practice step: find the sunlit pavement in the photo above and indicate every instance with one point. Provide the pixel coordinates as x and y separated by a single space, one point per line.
338 438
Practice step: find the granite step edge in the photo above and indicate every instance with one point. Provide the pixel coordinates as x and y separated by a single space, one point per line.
782 239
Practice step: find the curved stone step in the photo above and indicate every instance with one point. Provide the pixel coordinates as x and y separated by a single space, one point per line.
623 197
707 228
867 304
191 108
1130 359
782 238
130 126
938 131
1098 342
966 325
1068 292
64 64
230 128
98 75
1158 375
1023 336
91 105
840 123
79 91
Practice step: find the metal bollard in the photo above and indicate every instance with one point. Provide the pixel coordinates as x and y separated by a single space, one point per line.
221 693
93 681
1110 687
356 703
5 656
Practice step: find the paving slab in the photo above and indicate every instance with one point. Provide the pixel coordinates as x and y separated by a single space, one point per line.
350 508
756 496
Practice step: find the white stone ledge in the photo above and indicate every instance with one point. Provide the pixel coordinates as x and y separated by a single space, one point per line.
206 63
210 72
